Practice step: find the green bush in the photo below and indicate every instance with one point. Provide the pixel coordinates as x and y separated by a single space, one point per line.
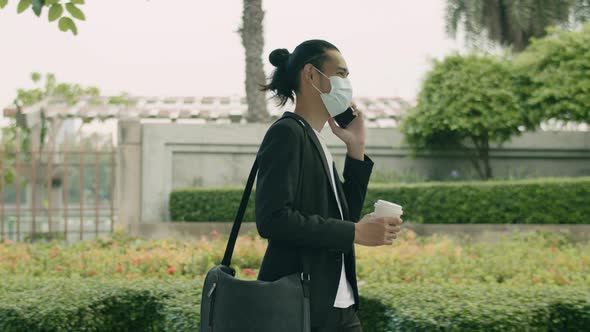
555 75
539 201
547 201
59 304
45 304
209 204
477 308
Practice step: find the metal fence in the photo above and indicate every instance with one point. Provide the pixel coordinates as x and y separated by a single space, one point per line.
62 191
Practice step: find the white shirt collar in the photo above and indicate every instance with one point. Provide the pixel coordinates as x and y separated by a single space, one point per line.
318 134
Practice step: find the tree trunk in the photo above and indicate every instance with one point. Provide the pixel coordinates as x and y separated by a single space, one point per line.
474 159
253 41
486 157
483 155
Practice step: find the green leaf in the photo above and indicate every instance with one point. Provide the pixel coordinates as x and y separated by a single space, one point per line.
35 76
66 23
75 11
3 3
23 5
74 28
38 6
556 80
55 12
78 2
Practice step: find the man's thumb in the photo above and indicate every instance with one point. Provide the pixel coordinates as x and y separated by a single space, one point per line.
335 128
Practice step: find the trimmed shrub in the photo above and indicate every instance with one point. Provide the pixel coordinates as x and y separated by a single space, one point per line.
547 201
46 304
539 201
209 204
478 308
59 304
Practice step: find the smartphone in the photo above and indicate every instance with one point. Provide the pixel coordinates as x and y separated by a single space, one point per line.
344 118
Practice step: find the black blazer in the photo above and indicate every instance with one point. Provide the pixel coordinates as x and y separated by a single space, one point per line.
296 210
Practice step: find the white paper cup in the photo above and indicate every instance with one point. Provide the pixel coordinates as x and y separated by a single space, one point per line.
387 209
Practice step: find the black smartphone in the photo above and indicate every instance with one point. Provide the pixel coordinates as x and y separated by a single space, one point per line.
344 118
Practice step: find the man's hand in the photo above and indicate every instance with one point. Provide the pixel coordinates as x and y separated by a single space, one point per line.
353 135
372 232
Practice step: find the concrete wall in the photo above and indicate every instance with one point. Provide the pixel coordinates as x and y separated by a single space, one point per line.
458 232
129 182
169 156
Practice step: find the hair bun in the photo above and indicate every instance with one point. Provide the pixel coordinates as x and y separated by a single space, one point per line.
279 57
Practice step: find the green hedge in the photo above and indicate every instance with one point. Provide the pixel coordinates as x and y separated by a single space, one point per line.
477 308
52 304
540 201
43 304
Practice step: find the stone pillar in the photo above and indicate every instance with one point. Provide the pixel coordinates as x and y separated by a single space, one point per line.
128 193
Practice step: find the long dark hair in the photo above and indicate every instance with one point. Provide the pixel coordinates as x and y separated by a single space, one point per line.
284 81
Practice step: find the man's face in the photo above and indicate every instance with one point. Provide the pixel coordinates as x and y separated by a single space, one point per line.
333 66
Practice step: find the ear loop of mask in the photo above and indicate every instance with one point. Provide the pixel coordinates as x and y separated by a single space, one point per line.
324 76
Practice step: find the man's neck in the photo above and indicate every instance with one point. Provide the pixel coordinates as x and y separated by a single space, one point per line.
311 111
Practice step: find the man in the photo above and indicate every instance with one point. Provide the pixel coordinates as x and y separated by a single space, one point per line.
302 207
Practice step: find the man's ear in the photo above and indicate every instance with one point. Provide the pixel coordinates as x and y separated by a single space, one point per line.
308 72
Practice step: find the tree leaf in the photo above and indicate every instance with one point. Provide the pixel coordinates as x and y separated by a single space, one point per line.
556 81
38 6
74 28
66 23
75 11
35 77
23 5
78 2
55 12
3 3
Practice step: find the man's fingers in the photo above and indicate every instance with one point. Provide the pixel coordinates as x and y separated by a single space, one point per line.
331 123
394 229
393 221
391 235
356 111
389 239
391 228
360 114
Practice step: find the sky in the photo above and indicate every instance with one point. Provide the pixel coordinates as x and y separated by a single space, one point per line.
190 47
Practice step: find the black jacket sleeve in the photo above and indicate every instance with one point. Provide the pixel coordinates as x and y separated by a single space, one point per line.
278 173
356 179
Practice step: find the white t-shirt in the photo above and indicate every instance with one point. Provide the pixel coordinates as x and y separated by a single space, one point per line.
344 296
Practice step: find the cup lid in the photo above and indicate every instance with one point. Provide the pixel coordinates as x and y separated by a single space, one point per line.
388 204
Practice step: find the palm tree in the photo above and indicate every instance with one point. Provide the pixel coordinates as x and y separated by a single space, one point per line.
253 41
512 22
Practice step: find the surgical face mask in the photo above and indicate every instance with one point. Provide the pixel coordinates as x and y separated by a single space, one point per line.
340 96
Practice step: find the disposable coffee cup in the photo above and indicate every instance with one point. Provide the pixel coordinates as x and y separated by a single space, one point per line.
387 209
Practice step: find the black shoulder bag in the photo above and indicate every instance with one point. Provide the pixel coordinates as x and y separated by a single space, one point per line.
229 304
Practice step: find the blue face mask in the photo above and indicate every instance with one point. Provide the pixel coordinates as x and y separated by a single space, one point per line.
340 96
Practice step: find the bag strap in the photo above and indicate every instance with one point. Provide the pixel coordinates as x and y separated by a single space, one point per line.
305 275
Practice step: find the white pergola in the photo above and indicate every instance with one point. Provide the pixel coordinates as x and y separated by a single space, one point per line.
379 112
